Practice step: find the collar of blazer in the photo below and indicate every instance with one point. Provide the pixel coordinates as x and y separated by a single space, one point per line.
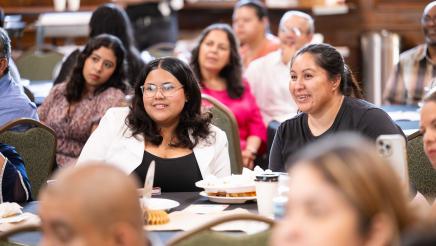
203 151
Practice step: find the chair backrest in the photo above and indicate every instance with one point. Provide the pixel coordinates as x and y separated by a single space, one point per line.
203 235
4 235
38 64
421 172
37 147
224 119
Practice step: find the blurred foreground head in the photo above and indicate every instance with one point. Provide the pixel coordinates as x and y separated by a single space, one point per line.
427 125
92 204
343 193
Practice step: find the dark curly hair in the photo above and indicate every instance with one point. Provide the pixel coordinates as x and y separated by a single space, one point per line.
329 59
76 84
193 124
232 72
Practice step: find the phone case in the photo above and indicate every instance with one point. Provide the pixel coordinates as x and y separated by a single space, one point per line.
393 149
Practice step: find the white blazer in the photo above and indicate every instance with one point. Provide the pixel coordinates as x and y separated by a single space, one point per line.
112 142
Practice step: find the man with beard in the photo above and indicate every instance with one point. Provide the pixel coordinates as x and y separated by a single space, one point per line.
415 72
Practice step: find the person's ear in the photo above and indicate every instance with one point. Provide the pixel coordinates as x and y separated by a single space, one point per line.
265 22
336 81
381 231
124 235
3 65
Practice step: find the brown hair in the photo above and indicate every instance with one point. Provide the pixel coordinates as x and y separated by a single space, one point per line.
352 165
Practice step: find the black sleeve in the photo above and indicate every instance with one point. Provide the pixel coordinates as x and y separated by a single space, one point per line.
376 122
276 162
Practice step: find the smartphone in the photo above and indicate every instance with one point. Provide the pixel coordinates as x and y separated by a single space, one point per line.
393 149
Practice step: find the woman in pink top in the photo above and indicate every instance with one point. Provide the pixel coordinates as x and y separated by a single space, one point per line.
74 108
217 64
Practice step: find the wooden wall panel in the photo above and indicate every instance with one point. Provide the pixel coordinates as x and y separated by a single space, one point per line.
400 16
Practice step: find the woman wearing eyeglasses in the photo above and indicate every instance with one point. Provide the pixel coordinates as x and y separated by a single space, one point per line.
164 123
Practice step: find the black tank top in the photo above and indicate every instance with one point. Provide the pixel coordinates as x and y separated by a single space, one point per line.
171 174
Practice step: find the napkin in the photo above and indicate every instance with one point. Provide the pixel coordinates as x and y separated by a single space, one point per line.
205 208
15 218
8 209
19 220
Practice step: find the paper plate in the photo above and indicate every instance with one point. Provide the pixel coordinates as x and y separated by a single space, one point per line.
159 203
230 184
232 200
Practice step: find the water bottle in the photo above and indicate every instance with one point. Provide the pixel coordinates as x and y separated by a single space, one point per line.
280 200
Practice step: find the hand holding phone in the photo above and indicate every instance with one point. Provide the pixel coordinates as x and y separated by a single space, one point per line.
393 149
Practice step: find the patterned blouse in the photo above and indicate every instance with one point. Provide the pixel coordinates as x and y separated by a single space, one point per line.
73 125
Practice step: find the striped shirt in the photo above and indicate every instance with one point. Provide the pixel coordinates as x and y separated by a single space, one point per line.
413 73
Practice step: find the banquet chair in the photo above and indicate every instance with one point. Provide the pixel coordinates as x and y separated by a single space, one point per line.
203 235
14 231
39 64
36 145
224 119
421 172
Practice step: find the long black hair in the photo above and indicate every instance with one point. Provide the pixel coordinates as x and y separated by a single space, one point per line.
111 19
76 85
232 72
192 121
328 58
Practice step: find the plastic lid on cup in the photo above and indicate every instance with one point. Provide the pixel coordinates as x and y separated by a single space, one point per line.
267 177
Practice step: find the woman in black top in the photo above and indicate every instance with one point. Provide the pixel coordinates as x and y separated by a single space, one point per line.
330 101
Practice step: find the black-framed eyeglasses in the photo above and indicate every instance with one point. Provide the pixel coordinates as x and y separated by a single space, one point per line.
167 89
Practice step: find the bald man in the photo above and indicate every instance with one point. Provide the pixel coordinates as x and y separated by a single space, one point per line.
91 205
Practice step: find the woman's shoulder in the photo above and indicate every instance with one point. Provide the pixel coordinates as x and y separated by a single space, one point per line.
216 135
117 112
111 97
362 107
112 91
115 118
59 87
214 129
59 90
292 125
297 119
357 103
